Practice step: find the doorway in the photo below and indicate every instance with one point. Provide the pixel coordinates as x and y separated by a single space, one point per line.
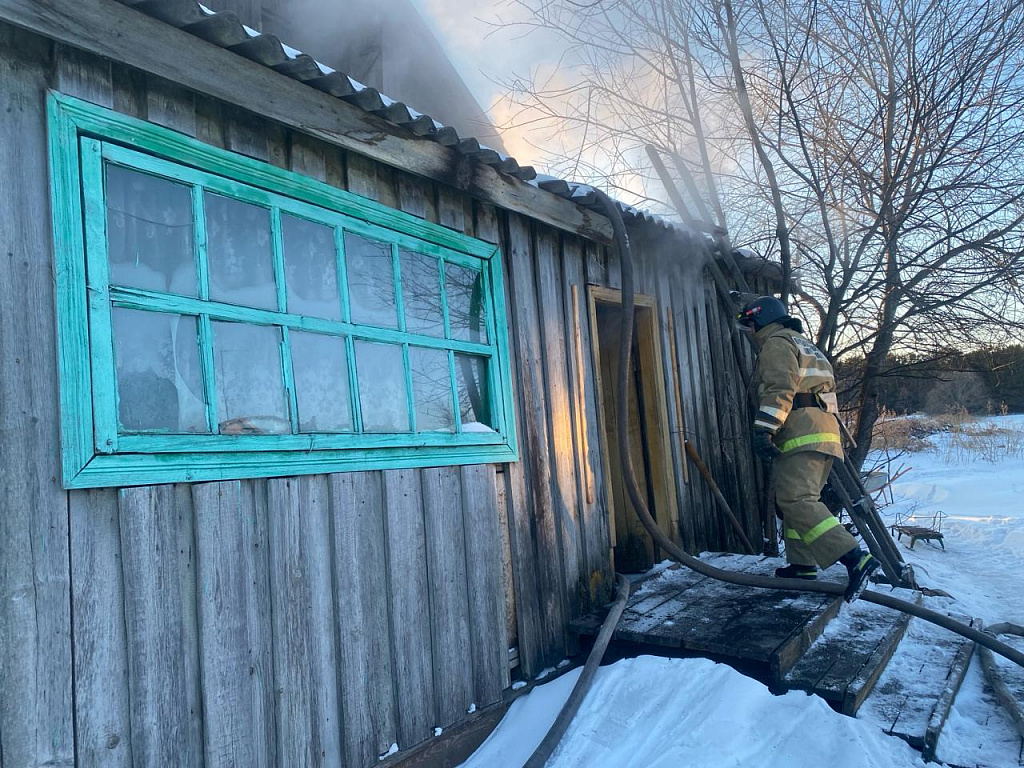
648 431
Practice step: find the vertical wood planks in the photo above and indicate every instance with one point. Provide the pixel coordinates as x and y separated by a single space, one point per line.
308 721
454 209
416 196
534 517
102 719
734 414
716 458
560 421
593 504
694 419
36 717
726 411
614 267
486 598
526 583
507 573
170 105
235 634
665 261
129 90
446 547
365 666
307 157
361 176
209 121
596 262
83 75
387 186
245 133
370 179
707 443
159 605
653 363
334 166
410 605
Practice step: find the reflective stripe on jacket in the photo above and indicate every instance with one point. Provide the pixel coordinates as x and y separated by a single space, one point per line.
788 364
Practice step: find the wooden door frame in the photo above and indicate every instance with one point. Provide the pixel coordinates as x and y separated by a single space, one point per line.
646 328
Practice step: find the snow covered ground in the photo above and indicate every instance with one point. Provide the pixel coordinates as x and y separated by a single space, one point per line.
979 484
651 712
663 713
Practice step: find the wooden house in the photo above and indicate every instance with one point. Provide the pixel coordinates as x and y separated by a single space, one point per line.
306 402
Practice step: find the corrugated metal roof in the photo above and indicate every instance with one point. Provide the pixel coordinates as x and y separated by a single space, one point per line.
225 30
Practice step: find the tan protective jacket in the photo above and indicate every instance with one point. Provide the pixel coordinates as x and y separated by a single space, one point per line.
787 364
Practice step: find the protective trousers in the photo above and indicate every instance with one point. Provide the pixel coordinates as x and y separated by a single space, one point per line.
813 534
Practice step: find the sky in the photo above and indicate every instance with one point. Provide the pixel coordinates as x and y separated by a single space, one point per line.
483 52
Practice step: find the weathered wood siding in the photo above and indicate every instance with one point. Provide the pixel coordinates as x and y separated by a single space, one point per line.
316 620
36 718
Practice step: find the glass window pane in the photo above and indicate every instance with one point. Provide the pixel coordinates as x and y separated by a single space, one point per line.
474 393
250 388
310 268
431 390
466 310
382 394
238 245
149 232
159 378
320 365
421 294
371 282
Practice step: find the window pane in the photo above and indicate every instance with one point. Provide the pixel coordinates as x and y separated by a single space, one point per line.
474 393
421 294
431 390
238 244
371 282
159 378
149 232
250 388
466 310
311 271
320 365
382 394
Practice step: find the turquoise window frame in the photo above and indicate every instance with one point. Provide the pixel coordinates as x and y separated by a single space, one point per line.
94 451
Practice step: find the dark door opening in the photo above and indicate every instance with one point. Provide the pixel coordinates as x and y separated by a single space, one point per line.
634 550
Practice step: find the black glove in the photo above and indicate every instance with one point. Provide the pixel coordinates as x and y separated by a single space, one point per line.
763 445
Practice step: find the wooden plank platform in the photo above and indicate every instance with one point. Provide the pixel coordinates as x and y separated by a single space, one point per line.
913 695
680 610
844 663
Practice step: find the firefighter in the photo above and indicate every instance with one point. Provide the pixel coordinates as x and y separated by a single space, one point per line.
796 429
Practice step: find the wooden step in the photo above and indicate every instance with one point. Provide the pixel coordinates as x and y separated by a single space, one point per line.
681 613
844 663
913 696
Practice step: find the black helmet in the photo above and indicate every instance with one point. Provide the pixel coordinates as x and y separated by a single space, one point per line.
762 311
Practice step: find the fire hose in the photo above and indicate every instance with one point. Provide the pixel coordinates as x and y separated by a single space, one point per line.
543 753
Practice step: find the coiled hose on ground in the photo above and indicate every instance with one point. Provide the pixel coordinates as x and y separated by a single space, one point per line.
551 740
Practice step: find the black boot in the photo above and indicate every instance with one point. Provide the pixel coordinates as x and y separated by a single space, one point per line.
859 567
793 571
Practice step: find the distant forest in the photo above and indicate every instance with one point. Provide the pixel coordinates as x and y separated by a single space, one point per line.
985 381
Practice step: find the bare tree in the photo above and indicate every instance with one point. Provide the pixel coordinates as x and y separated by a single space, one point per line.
877 146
